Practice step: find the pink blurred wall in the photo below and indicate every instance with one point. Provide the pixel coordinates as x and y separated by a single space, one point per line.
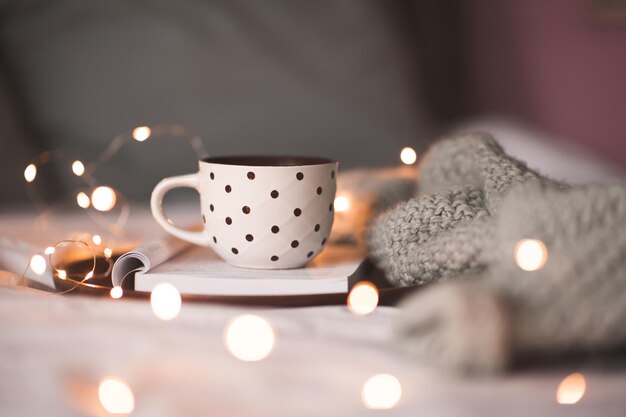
553 64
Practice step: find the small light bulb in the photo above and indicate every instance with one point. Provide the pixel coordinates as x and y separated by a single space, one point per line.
571 389
38 264
30 173
165 300
141 133
82 200
49 250
381 392
531 254
363 298
96 239
408 156
88 276
342 203
249 337
116 292
78 168
108 252
62 274
116 396
103 198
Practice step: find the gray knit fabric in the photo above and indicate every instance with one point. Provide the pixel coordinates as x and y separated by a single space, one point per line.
489 313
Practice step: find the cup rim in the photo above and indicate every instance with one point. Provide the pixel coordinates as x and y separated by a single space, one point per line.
267 160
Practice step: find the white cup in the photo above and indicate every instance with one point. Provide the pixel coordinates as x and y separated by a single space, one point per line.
266 212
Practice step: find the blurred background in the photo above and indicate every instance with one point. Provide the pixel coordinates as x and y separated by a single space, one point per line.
354 80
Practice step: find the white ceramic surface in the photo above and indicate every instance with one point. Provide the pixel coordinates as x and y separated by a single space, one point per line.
259 212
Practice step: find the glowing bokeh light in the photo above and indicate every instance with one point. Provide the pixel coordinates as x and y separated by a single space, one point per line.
165 300
116 292
381 392
108 252
103 198
78 168
62 274
116 396
30 173
141 133
38 264
96 239
571 389
408 156
249 337
89 275
363 298
82 200
342 203
531 254
49 250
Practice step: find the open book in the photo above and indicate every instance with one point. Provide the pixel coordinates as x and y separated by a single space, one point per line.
197 270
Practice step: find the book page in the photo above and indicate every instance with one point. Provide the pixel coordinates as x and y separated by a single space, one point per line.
204 262
146 257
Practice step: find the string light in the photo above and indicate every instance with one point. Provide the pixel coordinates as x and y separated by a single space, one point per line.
108 252
141 133
381 392
342 203
74 245
165 300
116 292
249 337
38 264
408 156
30 173
78 168
82 200
363 298
572 389
96 239
49 250
116 396
531 254
103 198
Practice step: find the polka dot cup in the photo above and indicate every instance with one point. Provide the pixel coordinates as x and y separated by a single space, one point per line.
258 212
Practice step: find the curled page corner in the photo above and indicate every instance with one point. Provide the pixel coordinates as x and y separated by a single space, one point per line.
145 257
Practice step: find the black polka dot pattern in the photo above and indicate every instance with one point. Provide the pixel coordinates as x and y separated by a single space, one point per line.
289 230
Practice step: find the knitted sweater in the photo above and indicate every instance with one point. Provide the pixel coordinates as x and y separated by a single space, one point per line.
478 204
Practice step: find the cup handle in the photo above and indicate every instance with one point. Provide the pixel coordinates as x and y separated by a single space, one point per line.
156 205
